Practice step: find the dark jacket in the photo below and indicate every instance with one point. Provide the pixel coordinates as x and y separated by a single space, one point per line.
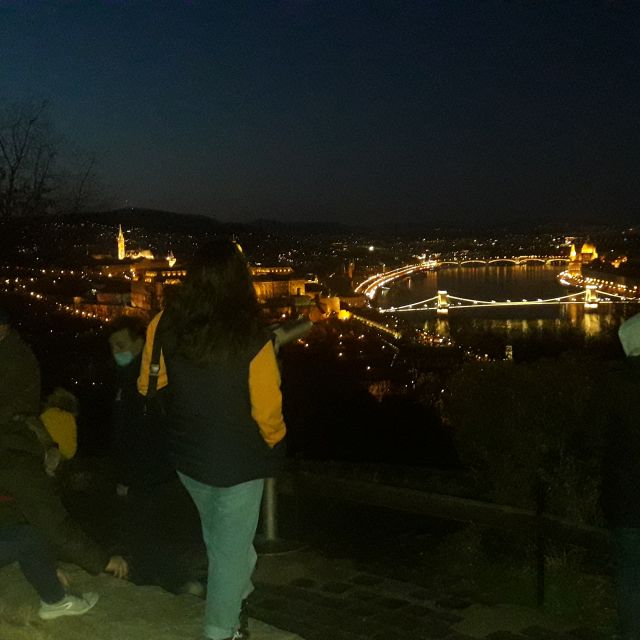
19 379
140 450
225 419
29 496
620 395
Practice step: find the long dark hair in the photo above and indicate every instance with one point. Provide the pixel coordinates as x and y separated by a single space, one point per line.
214 312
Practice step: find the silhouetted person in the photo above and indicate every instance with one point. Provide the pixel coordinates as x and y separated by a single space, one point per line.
621 475
20 374
28 460
29 457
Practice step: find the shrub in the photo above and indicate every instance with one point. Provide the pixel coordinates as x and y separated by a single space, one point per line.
516 425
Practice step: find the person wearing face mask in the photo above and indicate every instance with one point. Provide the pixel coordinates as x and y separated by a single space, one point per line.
134 447
146 481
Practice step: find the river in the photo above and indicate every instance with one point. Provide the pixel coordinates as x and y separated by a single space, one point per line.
501 283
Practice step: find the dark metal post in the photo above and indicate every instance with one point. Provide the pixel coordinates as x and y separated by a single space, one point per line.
267 542
540 543
270 510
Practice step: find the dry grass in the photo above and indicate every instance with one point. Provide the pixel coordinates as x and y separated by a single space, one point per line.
21 624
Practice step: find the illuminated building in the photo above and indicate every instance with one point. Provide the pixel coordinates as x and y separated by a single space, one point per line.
271 286
354 301
274 286
587 255
141 254
147 287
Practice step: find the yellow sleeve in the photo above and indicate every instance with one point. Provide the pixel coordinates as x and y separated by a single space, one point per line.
143 378
266 398
61 426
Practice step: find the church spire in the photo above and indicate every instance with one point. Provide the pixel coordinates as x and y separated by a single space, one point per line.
121 252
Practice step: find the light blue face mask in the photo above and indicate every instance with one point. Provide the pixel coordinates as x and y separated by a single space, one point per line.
123 358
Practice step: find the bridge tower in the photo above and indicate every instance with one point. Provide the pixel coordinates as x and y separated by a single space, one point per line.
590 297
443 303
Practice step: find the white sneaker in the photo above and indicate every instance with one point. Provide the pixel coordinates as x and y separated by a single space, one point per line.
68 606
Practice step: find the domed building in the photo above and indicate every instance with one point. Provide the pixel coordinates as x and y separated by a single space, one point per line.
588 254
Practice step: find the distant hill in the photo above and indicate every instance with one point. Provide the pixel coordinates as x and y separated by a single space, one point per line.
170 221
185 223
311 227
154 219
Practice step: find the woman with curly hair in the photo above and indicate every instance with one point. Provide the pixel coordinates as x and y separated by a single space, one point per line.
224 416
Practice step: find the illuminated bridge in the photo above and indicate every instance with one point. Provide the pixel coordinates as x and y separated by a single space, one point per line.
442 303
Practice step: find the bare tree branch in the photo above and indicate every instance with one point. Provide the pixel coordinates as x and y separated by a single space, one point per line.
31 180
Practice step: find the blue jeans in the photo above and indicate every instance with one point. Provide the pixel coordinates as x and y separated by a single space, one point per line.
25 544
229 518
626 553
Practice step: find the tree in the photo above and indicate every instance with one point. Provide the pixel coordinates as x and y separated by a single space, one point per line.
32 180
26 157
80 186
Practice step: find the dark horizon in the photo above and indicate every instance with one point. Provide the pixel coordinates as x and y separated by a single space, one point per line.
183 222
463 114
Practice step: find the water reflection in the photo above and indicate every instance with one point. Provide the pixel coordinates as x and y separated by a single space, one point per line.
441 327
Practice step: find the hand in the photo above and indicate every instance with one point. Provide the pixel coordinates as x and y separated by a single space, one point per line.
118 566
51 461
317 313
63 578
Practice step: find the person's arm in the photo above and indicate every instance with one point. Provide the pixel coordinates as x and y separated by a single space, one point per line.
290 331
266 398
295 329
143 378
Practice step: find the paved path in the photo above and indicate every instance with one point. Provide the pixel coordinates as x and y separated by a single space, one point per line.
323 598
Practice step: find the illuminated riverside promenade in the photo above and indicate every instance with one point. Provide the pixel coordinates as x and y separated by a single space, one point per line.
24 285
608 287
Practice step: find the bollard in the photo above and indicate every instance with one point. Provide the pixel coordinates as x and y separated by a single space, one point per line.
270 510
268 543
540 544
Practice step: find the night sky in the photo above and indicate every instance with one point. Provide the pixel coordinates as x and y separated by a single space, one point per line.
360 111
